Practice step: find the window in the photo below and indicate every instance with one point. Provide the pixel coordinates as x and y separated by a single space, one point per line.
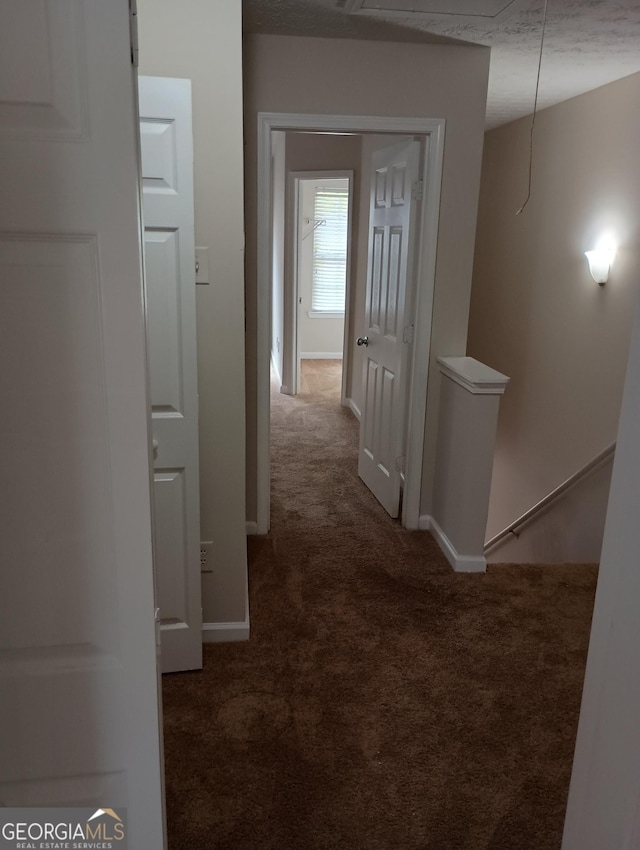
329 274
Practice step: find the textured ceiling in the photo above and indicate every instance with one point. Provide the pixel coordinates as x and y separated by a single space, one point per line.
587 43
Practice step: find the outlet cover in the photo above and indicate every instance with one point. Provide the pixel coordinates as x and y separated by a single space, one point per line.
206 556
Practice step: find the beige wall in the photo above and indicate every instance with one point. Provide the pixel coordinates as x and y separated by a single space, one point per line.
569 531
338 76
536 314
202 41
319 152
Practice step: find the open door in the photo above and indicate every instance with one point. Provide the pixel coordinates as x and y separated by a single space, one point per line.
169 246
79 713
391 225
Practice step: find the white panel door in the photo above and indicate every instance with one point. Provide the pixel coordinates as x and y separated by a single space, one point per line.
391 220
167 181
79 710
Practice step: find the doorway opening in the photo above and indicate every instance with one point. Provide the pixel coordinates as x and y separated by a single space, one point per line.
321 270
416 313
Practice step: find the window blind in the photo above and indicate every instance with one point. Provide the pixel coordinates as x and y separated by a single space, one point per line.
331 208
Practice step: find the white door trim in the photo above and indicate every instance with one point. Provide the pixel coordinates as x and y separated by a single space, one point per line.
433 129
291 340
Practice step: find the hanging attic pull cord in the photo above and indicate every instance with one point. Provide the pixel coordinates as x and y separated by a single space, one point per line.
535 106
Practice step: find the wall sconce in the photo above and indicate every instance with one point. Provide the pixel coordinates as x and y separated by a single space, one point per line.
600 261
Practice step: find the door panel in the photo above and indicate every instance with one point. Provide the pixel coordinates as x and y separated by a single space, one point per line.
368 418
48 98
395 270
163 320
167 179
384 449
51 308
158 145
390 237
79 714
170 540
398 175
376 278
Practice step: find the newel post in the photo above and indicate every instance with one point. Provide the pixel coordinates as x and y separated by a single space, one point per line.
469 401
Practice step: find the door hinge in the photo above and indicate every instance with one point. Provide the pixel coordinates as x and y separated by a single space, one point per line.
158 624
416 190
133 31
407 334
401 463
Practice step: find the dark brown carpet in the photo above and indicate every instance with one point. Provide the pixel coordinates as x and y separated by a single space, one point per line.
383 701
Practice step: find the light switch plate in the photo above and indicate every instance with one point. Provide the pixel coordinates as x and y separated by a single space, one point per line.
202 265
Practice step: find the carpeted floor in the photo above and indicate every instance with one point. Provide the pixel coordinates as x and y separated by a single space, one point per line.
383 701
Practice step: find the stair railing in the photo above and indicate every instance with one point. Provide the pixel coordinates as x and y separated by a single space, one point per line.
551 497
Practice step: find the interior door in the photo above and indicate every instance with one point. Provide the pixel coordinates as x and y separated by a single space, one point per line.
167 181
394 172
79 713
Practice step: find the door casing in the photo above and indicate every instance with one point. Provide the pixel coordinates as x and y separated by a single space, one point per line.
433 129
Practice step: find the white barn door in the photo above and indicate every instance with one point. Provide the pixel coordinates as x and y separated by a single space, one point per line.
167 183
79 712
391 224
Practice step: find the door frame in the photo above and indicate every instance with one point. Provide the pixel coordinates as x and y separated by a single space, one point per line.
433 129
291 340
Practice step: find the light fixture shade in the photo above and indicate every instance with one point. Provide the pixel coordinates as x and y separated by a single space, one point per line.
600 264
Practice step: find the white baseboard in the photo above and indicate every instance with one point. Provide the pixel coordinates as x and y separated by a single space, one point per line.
460 563
321 355
252 528
229 632
353 407
225 632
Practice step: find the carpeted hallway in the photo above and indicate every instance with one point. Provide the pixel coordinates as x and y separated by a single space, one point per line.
383 701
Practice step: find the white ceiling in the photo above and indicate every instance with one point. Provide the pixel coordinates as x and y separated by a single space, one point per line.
588 43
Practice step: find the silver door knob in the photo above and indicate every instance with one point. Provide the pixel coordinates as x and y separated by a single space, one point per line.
363 340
